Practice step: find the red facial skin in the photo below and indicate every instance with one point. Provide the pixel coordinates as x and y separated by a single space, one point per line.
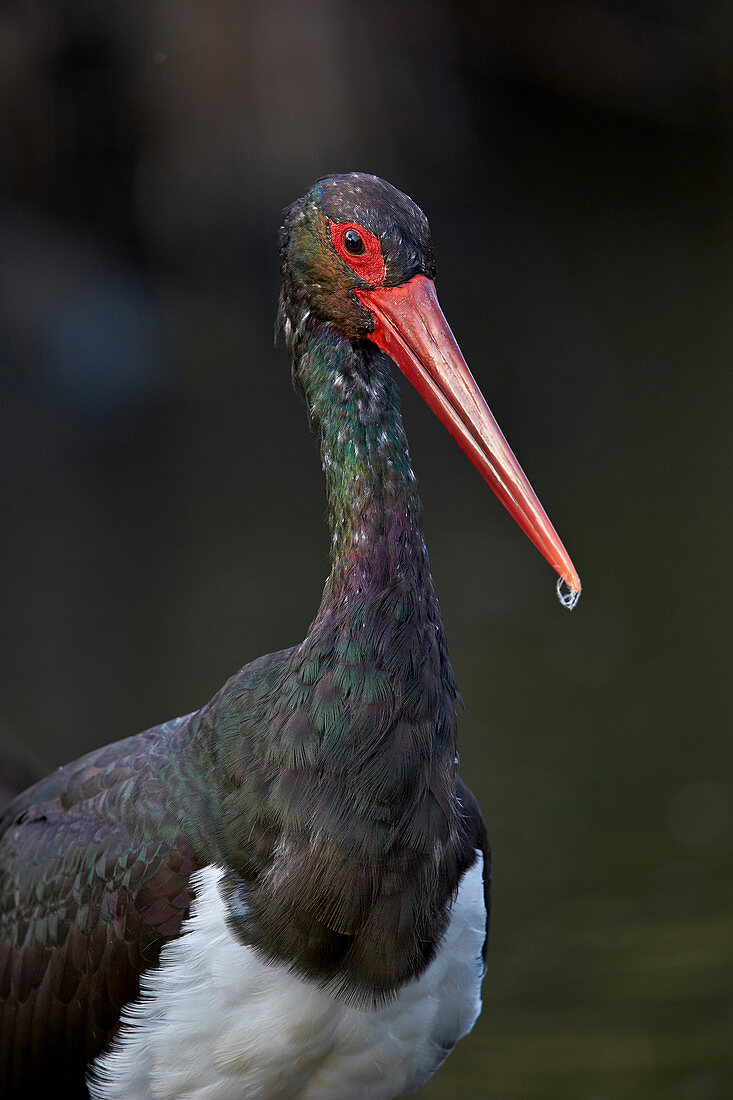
369 265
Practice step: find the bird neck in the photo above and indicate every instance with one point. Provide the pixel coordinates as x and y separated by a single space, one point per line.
373 506
379 620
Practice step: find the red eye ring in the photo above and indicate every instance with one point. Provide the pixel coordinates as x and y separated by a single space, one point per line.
368 264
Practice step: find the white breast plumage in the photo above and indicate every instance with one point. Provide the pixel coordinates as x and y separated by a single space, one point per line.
215 1022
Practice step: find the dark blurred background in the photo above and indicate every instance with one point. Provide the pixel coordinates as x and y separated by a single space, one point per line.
161 499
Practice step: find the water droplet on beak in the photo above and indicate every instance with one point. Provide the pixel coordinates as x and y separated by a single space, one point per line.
567 596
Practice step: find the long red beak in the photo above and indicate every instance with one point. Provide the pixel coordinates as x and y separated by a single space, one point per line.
411 329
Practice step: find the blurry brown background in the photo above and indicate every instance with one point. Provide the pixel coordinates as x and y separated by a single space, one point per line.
161 499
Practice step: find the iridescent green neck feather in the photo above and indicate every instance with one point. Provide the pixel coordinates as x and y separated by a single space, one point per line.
373 506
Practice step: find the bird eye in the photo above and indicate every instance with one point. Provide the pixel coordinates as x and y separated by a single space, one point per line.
353 242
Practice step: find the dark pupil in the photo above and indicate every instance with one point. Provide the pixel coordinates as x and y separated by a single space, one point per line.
353 242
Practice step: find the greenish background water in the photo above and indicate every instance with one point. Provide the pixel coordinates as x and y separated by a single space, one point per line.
162 504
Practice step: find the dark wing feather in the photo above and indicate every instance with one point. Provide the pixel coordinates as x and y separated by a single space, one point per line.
87 900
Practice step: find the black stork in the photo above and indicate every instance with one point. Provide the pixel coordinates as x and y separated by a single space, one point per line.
285 894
